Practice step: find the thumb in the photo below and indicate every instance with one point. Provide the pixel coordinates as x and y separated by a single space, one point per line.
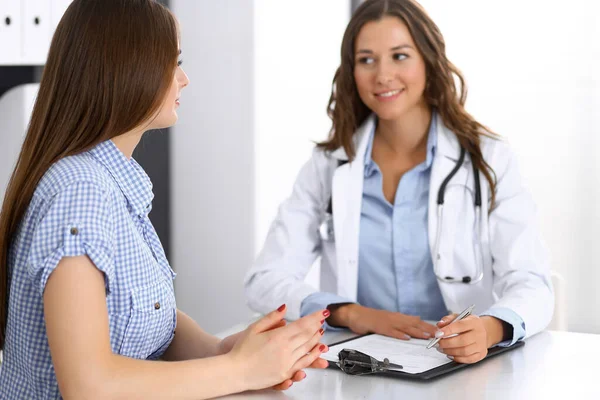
270 321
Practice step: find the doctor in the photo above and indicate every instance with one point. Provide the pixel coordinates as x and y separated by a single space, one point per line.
415 208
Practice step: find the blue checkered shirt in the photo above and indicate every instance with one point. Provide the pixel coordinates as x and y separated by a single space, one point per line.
95 203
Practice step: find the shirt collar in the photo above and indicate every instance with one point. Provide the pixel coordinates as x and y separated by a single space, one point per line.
128 174
371 166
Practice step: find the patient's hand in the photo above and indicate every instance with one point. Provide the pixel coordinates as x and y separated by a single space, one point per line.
229 342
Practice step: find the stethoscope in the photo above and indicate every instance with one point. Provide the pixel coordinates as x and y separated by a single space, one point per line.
326 229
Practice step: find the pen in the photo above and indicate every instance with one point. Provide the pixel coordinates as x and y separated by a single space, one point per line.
460 316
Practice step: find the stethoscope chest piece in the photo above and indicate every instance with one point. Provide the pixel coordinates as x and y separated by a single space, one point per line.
326 228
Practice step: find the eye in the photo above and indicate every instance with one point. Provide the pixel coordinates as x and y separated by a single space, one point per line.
366 60
400 56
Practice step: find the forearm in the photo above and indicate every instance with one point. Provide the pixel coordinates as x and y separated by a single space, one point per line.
127 378
190 341
528 298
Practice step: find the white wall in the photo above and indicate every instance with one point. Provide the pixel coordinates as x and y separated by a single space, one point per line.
260 76
534 77
297 54
212 190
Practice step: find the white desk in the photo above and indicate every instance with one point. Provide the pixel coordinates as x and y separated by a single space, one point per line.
551 365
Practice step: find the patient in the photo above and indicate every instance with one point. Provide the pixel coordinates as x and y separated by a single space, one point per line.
87 306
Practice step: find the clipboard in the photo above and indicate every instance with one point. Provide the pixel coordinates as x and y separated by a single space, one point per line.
432 373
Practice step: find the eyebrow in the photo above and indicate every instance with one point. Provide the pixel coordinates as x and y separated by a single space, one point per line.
402 46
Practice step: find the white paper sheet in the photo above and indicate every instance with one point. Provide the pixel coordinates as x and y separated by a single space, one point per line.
411 354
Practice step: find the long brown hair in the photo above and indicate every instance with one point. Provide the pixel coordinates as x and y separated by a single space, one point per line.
348 112
110 65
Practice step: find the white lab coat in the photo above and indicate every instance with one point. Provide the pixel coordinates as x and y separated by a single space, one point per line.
516 273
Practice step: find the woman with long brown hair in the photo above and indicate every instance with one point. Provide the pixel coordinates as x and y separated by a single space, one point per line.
415 209
86 293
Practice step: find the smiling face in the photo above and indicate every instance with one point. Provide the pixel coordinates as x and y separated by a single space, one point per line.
389 71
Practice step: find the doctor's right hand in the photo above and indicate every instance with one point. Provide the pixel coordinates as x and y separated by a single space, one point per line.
269 357
364 320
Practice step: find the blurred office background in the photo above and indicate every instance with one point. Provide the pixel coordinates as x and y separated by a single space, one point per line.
261 73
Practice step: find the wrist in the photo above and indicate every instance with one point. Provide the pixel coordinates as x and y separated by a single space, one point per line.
239 369
342 315
494 329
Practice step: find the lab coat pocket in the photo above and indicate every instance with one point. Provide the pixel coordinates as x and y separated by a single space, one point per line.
459 231
152 320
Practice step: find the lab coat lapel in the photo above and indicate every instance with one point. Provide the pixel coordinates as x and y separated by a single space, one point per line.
347 190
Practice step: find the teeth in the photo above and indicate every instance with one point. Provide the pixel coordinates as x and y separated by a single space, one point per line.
389 94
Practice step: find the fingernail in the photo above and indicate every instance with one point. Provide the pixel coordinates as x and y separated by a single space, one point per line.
304 375
439 334
426 334
322 348
290 385
321 331
322 321
406 337
281 308
326 313
451 357
441 321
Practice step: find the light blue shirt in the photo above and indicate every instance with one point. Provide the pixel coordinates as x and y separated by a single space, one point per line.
395 270
95 203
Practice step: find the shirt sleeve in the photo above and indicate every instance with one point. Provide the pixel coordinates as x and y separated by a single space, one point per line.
319 301
78 221
512 319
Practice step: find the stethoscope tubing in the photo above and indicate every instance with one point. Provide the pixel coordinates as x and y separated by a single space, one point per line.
327 234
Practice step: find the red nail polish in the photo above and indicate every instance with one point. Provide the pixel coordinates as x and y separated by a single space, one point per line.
322 321
322 348
326 313
321 331
281 308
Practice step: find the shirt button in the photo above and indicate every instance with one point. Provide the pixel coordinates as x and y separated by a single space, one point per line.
74 231
157 305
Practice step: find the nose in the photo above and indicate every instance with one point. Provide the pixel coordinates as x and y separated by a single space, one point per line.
183 78
385 73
